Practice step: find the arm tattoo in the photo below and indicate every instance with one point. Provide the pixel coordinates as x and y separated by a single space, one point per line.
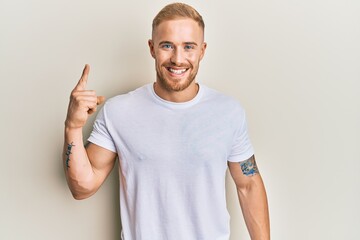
68 152
249 167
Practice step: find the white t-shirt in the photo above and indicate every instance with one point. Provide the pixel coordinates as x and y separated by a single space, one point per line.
173 160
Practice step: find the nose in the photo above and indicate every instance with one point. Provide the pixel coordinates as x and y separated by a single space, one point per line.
177 57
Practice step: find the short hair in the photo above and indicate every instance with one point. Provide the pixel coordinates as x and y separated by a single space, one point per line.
177 10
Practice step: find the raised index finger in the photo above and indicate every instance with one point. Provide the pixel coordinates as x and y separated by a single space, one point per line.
81 85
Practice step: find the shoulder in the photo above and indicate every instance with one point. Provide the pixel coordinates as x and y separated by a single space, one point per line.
221 100
127 100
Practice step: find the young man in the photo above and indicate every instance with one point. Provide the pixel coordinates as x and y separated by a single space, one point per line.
174 139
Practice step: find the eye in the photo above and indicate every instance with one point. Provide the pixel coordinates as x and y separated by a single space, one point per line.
188 47
166 46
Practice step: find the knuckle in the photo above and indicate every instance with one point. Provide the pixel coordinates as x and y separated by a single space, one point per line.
73 94
77 99
93 104
81 102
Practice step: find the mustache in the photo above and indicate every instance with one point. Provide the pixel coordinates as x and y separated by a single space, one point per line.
181 65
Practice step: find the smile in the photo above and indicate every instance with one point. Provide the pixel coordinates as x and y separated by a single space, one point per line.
177 71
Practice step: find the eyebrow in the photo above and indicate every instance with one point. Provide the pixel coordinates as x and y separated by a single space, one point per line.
190 43
165 42
185 43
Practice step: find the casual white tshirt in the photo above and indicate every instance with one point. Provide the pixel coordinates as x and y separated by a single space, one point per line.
173 159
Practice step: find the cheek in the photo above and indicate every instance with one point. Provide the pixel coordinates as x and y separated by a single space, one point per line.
193 58
191 55
162 57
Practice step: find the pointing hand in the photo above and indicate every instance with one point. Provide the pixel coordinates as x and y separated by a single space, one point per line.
82 102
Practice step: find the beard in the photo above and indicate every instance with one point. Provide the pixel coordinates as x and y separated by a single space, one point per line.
176 85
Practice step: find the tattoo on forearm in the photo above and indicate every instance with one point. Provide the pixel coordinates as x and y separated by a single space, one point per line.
67 154
249 167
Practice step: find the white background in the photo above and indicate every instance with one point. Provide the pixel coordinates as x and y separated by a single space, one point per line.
294 66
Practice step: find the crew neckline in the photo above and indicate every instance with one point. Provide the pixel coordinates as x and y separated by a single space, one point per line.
176 105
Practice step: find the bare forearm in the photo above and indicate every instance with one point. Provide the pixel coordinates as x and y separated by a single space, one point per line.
79 163
254 206
78 169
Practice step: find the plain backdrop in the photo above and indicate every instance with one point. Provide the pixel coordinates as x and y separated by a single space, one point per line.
293 65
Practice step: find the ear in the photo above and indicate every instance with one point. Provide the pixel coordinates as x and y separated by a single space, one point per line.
203 48
151 47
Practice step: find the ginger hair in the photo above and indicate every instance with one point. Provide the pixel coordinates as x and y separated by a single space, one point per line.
177 10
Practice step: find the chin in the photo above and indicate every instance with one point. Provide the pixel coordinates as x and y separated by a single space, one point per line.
177 86
174 85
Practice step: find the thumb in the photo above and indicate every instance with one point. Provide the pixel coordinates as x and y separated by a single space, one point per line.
100 100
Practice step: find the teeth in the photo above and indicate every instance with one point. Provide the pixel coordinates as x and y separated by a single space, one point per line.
180 71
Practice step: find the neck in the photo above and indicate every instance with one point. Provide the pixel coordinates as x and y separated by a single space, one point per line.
177 96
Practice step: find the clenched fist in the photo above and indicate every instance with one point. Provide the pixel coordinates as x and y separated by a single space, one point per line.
82 102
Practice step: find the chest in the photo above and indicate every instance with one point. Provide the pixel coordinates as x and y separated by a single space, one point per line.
175 141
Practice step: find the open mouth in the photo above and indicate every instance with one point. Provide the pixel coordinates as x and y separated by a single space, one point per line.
177 71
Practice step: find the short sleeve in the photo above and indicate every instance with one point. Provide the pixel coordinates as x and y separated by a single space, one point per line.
241 148
100 134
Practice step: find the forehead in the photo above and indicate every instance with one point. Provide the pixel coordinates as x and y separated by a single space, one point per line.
181 29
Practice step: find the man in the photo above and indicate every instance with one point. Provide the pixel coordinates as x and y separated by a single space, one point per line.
174 139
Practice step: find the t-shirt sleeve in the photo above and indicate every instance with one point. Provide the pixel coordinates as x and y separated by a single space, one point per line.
241 148
100 134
